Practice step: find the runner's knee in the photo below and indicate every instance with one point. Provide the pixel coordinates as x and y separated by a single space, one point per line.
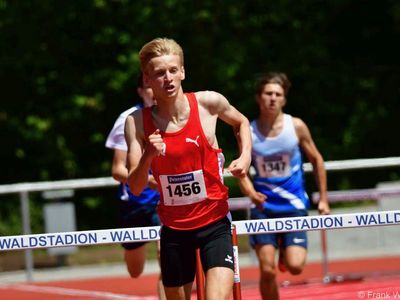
295 269
268 272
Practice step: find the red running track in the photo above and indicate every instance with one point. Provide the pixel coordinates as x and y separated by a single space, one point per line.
377 278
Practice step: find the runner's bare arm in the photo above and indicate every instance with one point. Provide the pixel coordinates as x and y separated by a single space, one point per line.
247 188
314 156
138 163
118 169
218 105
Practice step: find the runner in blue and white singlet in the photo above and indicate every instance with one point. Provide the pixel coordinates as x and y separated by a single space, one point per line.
279 172
277 190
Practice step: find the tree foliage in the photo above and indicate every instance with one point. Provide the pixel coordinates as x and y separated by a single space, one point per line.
68 68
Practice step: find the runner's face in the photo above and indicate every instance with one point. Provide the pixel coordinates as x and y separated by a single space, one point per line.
272 98
164 75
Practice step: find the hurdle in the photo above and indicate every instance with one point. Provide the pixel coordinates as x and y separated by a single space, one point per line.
245 227
237 292
200 281
151 233
26 188
375 194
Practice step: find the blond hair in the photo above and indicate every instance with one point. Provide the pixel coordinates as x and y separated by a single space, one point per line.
158 47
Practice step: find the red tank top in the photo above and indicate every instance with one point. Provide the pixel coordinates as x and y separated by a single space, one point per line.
189 174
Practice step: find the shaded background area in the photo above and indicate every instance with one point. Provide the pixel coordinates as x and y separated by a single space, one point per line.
68 68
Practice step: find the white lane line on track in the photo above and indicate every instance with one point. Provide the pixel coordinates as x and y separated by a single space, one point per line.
73 292
343 291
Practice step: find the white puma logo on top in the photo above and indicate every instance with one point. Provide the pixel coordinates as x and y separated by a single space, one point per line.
189 140
164 149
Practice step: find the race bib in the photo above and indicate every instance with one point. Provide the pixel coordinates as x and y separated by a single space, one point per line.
183 189
273 166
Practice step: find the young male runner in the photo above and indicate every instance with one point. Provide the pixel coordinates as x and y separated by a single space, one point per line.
277 189
176 140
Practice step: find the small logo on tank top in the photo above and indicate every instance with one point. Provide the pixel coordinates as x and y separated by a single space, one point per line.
164 149
194 141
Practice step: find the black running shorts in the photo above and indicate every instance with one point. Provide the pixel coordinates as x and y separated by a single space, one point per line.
136 215
178 251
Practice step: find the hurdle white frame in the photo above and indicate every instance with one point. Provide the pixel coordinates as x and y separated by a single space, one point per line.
23 189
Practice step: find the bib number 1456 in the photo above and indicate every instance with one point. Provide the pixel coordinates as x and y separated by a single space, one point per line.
183 189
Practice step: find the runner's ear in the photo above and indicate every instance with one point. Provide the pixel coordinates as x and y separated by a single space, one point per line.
182 72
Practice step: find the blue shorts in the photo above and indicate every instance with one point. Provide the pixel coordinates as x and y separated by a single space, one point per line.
298 238
136 215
